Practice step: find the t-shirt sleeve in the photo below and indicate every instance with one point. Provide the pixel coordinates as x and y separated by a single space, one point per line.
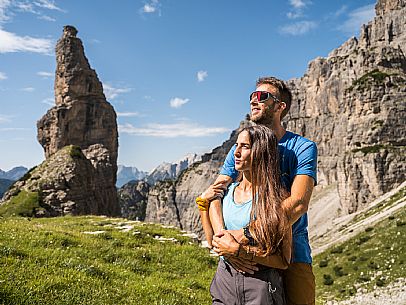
307 161
228 168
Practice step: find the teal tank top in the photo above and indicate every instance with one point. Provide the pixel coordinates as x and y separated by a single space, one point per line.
235 215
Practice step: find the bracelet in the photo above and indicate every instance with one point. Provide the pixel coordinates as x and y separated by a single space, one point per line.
202 203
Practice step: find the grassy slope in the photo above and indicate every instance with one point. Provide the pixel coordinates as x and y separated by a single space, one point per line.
50 261
375 257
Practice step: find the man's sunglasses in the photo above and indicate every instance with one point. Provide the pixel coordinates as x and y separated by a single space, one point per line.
262 96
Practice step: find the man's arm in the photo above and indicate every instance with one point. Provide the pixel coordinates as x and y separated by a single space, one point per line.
295 205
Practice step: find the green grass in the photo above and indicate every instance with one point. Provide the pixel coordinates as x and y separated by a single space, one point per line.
373 258
376 148
51 261
364 82
23 204
385 204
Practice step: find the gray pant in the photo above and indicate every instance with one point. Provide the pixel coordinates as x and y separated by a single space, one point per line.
231 287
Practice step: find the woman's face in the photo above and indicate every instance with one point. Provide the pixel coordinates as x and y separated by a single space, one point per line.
242 153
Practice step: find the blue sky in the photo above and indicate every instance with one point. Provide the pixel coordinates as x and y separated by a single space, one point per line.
178 72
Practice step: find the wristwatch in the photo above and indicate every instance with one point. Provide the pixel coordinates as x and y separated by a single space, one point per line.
247 234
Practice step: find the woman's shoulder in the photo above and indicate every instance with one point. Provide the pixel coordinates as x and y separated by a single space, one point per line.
230 189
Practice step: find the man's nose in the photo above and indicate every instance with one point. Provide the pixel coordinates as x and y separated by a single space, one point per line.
253 101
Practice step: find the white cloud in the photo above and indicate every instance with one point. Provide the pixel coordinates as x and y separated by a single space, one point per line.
45 74
201 75
47 18
11 42
9 8
298 28
151 7
297 3
28 89
128 114
358 17
178 102
3 76
4 5
294 15
183 129
13 129
5 119
340 11
148 8
111 92
297 8
49 101
48 4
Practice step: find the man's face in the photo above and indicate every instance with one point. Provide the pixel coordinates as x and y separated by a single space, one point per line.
264 112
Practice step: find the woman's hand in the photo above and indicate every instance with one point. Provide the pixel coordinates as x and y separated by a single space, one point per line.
225 244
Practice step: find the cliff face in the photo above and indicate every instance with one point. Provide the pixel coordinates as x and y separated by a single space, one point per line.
82 117
352 104
133 200
173 202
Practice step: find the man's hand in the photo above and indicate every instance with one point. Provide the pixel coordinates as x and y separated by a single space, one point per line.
215 190
225 244
242 265
239 236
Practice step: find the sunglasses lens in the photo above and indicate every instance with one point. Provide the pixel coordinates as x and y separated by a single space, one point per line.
262 96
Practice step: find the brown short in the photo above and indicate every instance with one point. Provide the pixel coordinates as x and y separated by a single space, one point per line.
299 284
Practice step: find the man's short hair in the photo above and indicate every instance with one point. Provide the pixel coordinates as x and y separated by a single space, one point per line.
284 93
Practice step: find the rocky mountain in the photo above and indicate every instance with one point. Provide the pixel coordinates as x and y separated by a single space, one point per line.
126 174
352 104
14 173
133 199
4 185
170 171
80 139
171 202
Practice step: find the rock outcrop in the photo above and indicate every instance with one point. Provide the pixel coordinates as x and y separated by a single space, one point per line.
133 198
81 117
352 104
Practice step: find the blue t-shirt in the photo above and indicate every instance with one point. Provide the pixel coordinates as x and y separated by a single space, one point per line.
236 215
298 156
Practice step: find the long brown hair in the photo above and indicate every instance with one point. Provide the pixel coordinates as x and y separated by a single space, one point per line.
269 222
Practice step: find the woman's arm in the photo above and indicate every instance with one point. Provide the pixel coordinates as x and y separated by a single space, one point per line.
225 244
207 228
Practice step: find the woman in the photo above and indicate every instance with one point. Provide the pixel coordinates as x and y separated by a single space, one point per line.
253 203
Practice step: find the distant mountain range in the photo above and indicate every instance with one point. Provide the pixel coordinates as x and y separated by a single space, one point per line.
169 171
164 171
14 173
128 173
8 178
125 174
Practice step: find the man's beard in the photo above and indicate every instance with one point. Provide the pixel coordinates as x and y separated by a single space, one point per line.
265 118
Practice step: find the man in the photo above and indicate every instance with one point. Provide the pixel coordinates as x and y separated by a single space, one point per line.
298 158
